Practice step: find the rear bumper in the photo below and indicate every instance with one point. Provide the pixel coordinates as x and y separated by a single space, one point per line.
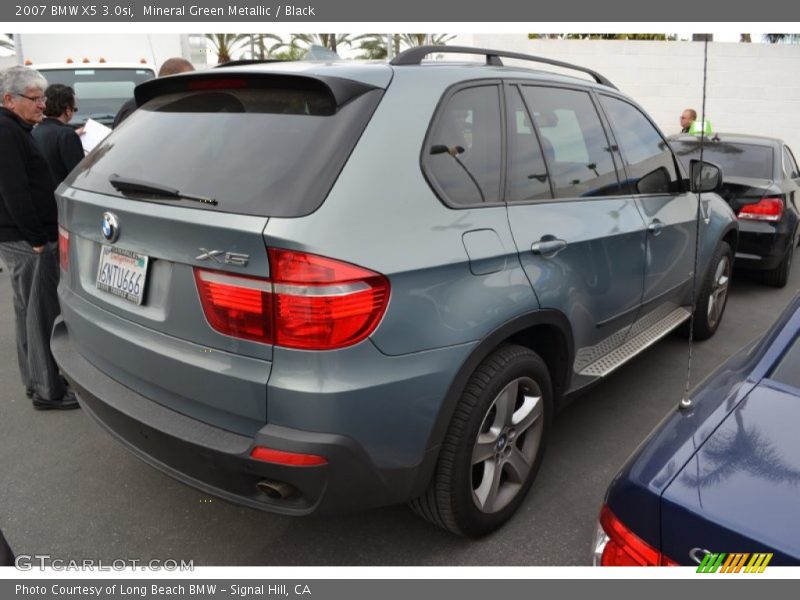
218 461
762 245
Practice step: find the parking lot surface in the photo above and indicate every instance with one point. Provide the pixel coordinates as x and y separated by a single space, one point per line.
68 490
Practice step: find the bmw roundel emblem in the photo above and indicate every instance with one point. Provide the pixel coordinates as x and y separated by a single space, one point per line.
110 227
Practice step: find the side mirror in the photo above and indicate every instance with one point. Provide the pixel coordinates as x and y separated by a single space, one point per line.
705 177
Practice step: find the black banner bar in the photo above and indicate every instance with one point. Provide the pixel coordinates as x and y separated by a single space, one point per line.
343 589
462 11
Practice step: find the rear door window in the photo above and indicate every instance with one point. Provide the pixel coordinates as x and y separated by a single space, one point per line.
266 151
649 162
576 149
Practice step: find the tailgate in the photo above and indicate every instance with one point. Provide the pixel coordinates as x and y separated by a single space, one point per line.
158 341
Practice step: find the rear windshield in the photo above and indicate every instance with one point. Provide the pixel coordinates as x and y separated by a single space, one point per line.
100 93
736 160
264 151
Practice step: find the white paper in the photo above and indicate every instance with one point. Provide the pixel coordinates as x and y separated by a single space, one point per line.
93 134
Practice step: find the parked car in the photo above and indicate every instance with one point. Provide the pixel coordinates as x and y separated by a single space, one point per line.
761 182
311 287
722 475
101 88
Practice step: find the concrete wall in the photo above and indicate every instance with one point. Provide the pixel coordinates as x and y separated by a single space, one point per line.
752 88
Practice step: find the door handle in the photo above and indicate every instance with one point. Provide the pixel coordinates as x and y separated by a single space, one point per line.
548 246
655 227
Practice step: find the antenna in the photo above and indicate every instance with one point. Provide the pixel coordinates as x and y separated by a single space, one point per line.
686 402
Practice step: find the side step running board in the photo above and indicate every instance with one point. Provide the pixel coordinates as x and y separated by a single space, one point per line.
638 343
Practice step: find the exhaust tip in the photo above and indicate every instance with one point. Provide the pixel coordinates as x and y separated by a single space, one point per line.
276 490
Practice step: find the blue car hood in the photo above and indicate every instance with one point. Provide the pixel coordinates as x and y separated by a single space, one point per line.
742 486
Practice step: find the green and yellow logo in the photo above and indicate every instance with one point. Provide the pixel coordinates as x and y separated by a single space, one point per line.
734 563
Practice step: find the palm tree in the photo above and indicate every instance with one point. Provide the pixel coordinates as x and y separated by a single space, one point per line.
782 38
226 44
374 44
331 41
604 36
258 48
425 39
373 47
290 52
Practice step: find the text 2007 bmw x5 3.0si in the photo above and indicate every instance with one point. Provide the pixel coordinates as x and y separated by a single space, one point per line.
310 287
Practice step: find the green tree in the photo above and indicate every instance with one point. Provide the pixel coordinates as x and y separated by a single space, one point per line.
782 38
261 45
421 39
604 36
373 45
289 53
331 41
225 45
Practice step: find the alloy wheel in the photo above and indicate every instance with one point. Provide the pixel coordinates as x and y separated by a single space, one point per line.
719 291
507 443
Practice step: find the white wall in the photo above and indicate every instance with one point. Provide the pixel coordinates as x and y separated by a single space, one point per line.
752 88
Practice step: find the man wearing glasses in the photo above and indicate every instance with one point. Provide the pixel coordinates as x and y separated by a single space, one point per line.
29 235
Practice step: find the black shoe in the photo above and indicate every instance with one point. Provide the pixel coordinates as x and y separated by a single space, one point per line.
66 402
29 392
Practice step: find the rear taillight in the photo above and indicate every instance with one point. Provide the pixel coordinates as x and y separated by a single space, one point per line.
236 305
63 248
322 304
766 209
310 302
618 546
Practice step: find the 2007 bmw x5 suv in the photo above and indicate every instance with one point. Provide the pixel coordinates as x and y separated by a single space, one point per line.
317 287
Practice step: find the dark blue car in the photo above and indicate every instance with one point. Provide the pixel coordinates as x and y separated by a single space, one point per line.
722 476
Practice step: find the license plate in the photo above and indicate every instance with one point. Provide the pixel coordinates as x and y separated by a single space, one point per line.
122 273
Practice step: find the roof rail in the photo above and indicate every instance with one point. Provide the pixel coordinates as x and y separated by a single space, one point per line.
414 56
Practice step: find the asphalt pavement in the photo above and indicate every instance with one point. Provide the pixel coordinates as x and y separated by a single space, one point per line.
68 490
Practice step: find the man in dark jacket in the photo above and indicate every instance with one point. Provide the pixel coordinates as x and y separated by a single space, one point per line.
58 141
29 235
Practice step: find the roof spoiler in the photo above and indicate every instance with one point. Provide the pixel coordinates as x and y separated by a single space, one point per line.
414 56
342 90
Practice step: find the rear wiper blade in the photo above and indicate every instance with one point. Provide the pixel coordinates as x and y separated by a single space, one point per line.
137 186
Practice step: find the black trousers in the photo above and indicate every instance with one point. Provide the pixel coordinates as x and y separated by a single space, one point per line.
34 279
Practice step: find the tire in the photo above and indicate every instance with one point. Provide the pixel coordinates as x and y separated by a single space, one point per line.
778 276
494 444
713 295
